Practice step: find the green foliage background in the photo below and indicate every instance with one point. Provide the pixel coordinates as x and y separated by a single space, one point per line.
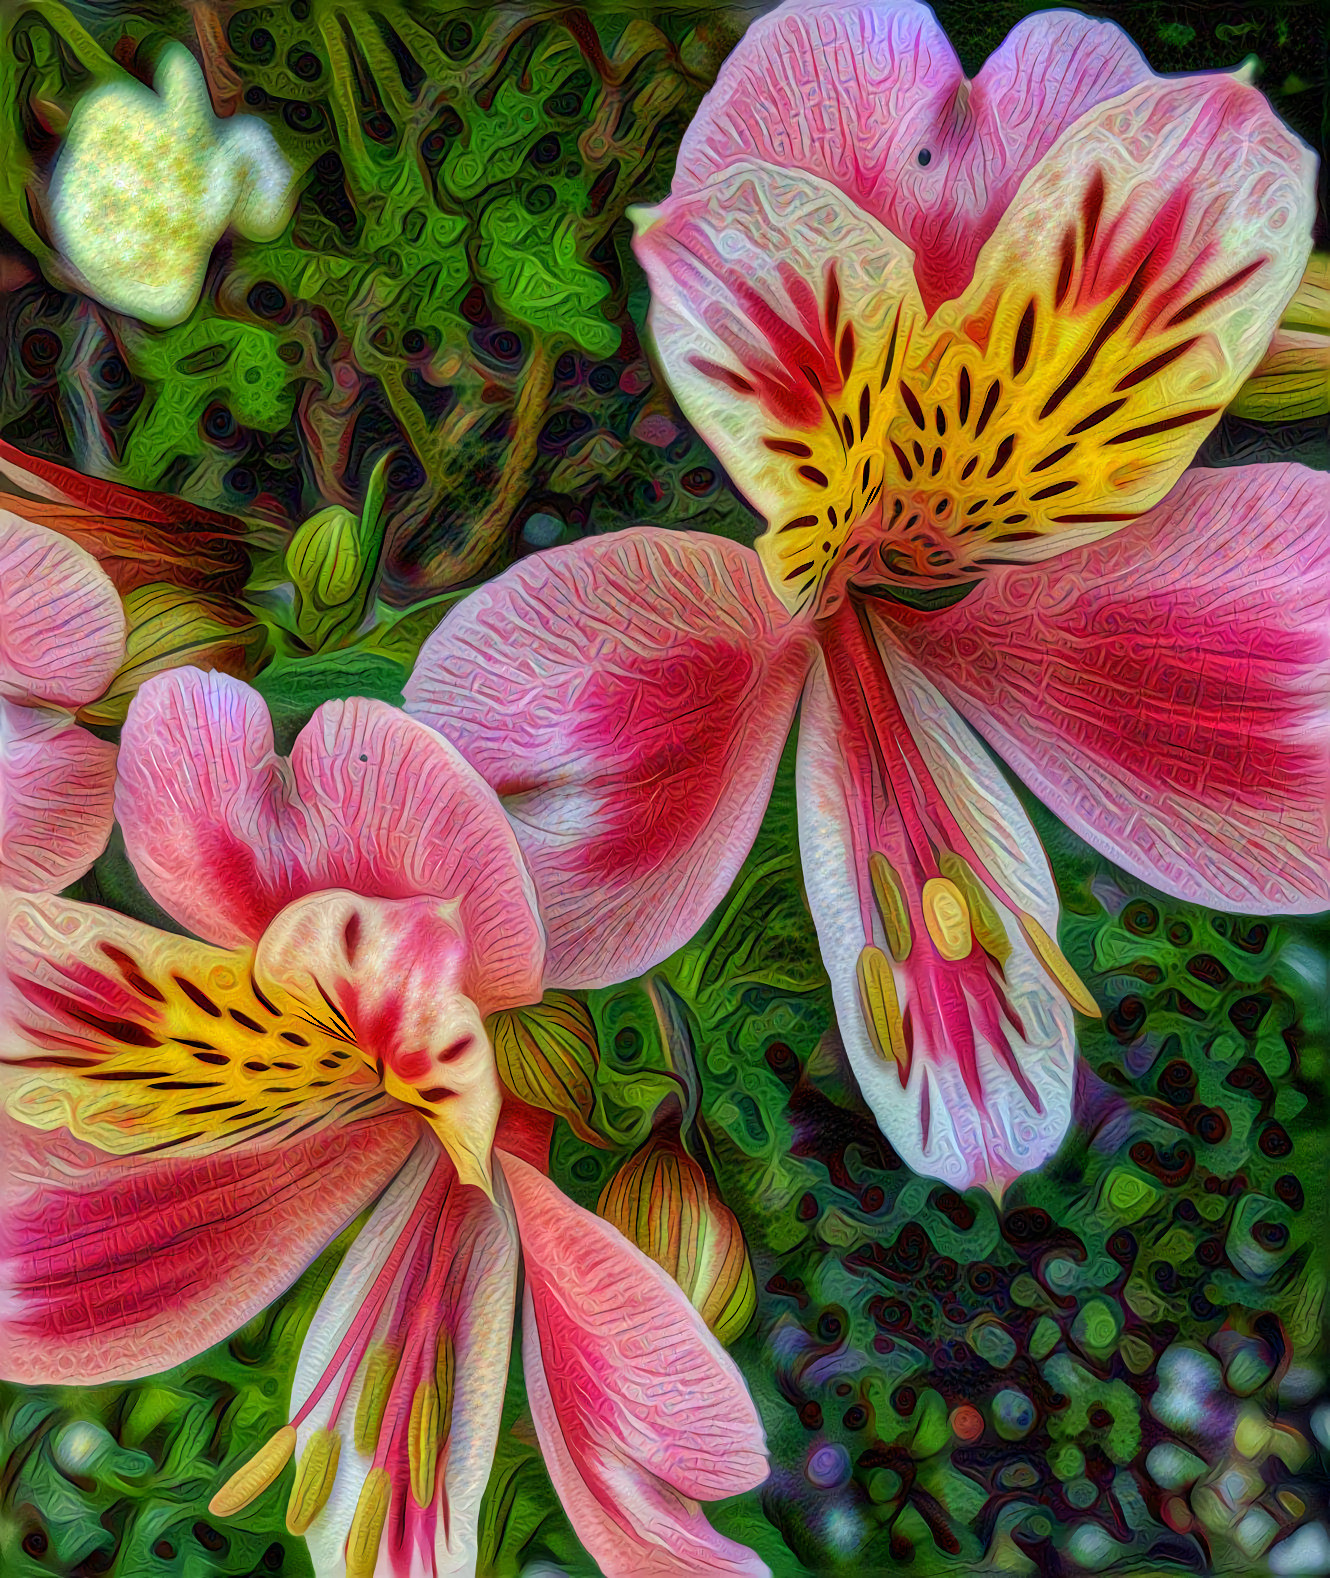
455 296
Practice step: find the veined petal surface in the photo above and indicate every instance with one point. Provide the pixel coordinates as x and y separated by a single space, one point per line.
1167 691
869 95
628 697
225 833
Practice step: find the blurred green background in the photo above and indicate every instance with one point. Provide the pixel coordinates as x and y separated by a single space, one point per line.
1121 1369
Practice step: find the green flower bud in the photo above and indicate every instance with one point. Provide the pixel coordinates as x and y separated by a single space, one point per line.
548 1056
662 1201
332 561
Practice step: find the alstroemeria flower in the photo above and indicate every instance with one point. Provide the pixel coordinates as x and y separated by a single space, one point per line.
188 1123
937 331
62 637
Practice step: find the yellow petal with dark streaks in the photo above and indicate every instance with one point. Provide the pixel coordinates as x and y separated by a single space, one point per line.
175 1043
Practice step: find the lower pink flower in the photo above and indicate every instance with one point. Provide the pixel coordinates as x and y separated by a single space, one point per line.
188 1124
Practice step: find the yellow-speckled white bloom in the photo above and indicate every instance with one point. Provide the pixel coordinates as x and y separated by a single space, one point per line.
147 182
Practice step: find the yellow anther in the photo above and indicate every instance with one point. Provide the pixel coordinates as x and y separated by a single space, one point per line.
891 905
424 1435
362 1542
882 1009
985 921
445 1370
947 916
380 1367
254 1477
315 1473
1055 962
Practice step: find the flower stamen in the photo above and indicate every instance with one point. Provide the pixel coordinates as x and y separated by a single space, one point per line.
362 1542
423 1440
985 921
315 1474
1055 963
882 1010
947 917
892 909
252 1478
380 1370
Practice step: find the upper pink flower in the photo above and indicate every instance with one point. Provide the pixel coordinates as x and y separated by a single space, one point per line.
186 1125
938 332
62 637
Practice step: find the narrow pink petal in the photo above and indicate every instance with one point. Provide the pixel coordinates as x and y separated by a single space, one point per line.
62 629
57 784
434 1258
858 92
225 833
984 1091
638 1373
1167 691
633 1524
628 697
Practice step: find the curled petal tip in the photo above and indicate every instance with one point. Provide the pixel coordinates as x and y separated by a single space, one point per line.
642 218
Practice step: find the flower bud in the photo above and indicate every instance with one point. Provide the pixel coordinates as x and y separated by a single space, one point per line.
332 561
1310 307
324 563
171 627
1292 381
547 1056
662 1201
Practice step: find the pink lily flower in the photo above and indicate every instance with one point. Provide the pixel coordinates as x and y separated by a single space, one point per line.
187 1124
938 332
62 638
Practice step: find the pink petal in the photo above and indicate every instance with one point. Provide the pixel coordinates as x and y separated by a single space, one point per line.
981 1090
628 697
779 310
1120 302
57 783
642 1393
62 629
119 1265
1165 691
146 1209
633 1524
411 995
434 1257
853 91
225 833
